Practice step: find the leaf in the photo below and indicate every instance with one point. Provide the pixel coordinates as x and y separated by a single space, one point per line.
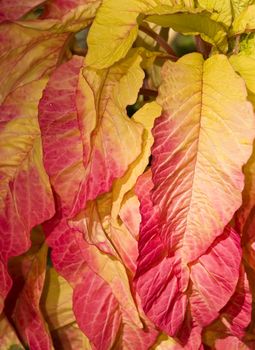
13 10
27 315
26 55
243 213
245 21
240 5
26 198
194 24
222 10
102 326
161 283
62 16
79 263
234 343
57 9
215 277
98 296
130 215
101 222
165 343
106 47
9 338
145 116
244 64
70 337
56 301
193 164
22 304
235 316
158 280
93 120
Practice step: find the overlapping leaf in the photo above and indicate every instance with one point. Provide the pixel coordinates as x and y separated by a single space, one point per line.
27 316
240 5
245 22
80 263
158 280
214 277
97 113
107 47
26 55
104 140
57 308
12 10
26 198
101 222
9 337
61 16
244 63
56 301
233 343
161 283
235 316
22 304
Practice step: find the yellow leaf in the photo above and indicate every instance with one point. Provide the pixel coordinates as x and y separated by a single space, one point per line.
194 24
245 22
56 301
26 55
221 10
108 46
244 64
167 343
145 116
8 337
240 5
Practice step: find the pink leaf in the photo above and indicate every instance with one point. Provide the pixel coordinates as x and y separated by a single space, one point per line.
97 310
158 279
26 198
86 113
81 263
215 277
13 10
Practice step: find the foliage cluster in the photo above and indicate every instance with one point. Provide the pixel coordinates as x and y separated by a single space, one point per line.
127 230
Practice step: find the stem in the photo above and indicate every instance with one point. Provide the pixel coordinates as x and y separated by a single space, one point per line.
203 47
237 44
148 92
79 51
160 41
